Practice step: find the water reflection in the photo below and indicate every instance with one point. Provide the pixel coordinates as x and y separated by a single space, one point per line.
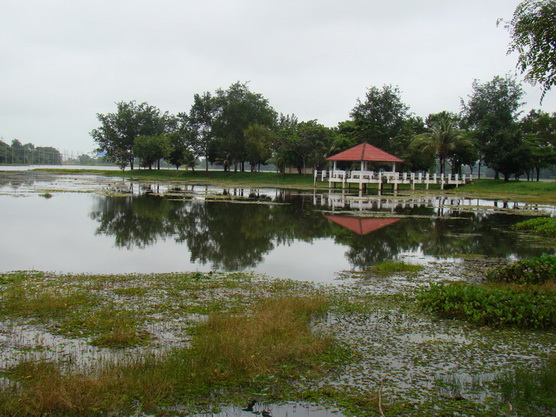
127 226
234 236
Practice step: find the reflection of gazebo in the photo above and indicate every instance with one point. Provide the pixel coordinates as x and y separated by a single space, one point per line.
362 225
365 153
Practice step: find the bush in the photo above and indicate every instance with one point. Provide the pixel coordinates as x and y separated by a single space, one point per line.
528 271
493 307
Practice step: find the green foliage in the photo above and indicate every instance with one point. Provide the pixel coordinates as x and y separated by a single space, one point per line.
527 271
531 390
492 307
533 37
28 154
150 149
491 113
544 226
119 130
540 136
380 117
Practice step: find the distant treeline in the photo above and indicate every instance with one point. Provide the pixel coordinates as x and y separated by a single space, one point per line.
20 154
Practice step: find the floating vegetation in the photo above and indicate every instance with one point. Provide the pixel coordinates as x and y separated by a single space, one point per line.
177 343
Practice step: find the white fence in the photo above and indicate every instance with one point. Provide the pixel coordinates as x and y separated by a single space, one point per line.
396 178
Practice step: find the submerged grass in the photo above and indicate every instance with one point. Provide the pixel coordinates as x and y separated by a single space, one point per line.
238 338
239 353
531 391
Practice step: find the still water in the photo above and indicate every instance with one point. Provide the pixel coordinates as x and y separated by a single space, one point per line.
93 224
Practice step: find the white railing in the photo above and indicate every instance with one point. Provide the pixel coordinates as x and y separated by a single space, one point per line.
372 177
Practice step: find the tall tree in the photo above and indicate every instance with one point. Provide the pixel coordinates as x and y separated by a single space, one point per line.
380 117
491 112
118 130
199 124
238 108
533 32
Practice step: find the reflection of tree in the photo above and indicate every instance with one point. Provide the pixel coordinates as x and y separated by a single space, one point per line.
234 236
135 221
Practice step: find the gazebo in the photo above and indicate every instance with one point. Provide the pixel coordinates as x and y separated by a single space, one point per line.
365 153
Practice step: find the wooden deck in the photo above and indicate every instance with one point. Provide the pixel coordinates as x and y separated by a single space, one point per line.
362 178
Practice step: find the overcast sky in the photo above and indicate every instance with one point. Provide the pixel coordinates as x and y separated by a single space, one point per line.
64 61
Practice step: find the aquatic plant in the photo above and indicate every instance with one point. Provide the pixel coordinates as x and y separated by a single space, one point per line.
544 226
494 307
536 270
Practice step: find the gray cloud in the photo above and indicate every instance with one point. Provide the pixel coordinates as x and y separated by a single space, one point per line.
64 61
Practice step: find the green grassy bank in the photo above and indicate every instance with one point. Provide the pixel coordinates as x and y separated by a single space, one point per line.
531 191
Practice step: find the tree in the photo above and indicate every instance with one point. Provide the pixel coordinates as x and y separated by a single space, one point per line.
421 155
178 152
118 131
5 152
381 117
442 138
258 143
533 32
199 124
150 149
238 108
491 113
540 134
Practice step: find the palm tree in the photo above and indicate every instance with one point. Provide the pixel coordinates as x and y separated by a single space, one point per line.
443 138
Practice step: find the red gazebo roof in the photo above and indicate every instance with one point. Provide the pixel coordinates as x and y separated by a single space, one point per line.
361 225
364 152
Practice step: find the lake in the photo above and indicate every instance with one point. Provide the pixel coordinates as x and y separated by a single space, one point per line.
95 224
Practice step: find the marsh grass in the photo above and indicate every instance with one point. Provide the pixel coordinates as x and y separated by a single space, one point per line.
231 352
42 302
531 391
75 313
394 267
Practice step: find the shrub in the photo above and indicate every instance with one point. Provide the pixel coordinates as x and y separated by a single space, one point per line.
527 271
493 307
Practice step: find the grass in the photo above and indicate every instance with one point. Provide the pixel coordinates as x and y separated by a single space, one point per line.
533 191
527 191
261 339
394 267
531 391
250 352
